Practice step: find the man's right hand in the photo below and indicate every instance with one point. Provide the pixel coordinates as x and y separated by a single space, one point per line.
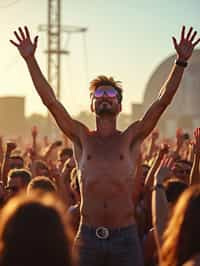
25 46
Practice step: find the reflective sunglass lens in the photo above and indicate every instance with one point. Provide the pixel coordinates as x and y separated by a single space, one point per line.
98 93
111 93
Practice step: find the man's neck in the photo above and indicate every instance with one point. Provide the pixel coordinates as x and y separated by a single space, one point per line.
106 126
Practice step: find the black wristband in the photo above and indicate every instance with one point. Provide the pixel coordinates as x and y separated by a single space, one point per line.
181 63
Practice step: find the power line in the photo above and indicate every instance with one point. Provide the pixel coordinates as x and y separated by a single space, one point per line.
10 4
85 57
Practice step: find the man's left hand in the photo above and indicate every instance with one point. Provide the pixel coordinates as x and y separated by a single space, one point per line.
186 45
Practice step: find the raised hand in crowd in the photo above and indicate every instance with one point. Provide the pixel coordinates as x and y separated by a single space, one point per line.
64 181
9 147
195 175
152 144
179 143
34 132
164 171
164 149
34 152
159 199
50 148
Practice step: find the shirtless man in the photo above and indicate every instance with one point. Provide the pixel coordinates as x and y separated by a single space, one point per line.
107 158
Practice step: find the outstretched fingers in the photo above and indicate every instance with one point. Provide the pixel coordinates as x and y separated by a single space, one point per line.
22 35
193 36
36 41
170 163
195 43
14 43
17 36
190 37
167 162
175 42
27 32
183 33
189 33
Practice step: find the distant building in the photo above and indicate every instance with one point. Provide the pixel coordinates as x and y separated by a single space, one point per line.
184 111
12 117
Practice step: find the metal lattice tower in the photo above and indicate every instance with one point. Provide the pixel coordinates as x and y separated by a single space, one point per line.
54 52
54 31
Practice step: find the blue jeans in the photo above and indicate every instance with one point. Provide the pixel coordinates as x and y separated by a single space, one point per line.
120 248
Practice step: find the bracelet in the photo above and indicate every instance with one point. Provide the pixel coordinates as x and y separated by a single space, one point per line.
181 63
158 186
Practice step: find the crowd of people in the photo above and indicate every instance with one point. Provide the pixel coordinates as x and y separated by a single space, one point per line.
40 201
111 197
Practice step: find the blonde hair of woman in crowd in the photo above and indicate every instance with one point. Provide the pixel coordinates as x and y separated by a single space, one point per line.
182 235
33 231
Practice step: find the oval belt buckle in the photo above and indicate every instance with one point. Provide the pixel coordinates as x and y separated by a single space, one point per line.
102 232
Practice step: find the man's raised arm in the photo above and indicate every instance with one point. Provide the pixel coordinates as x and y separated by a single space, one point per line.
72 128
184 51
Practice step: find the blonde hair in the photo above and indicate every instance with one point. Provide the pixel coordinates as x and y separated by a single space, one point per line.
182 235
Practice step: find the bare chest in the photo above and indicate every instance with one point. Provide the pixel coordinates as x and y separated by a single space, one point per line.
108 154
104 150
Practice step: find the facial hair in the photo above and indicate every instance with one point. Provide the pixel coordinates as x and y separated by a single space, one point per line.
105 109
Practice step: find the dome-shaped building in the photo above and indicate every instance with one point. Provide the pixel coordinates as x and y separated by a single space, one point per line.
184 111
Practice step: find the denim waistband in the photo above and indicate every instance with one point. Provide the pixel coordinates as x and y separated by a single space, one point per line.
91 230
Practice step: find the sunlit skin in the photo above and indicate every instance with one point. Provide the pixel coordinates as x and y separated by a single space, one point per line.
106 158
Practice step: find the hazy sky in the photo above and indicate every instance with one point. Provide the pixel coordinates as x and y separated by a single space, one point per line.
126 39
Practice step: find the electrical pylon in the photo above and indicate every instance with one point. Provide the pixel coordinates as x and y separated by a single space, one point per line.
54 31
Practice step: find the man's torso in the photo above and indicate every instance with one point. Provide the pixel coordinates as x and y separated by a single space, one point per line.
106 171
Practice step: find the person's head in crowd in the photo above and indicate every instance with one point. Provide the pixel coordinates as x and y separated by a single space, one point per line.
33 231
40 168
18 180
65 154
173 189
15 162
42 184
182 169
181 237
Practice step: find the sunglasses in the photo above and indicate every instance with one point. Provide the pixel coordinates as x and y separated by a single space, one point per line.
111 93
